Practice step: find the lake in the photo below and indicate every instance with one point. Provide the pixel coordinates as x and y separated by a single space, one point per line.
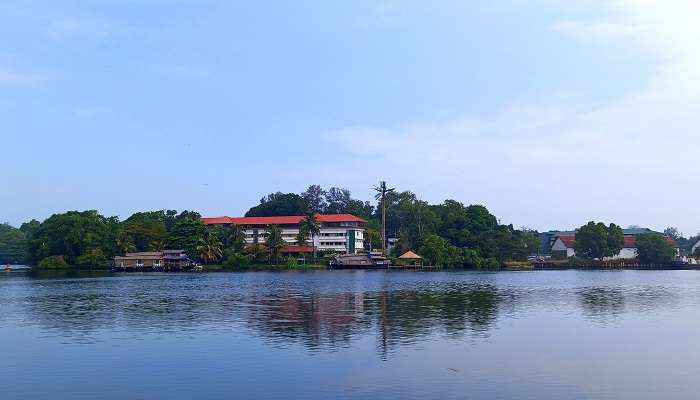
351 335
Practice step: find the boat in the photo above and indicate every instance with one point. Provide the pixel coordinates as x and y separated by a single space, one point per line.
8 268
372 260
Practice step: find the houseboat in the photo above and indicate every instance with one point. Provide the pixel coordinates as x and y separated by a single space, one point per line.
372 260
166 260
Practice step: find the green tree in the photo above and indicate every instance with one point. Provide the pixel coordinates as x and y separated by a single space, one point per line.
124 244
145 228
210 248
186 234
256 253
93 258
315 199
655 249
275 242
310 227
435 250
278 204
71 235
597 241
53 262
13 245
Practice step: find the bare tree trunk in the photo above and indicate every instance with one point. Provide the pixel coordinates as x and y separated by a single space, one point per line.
383 224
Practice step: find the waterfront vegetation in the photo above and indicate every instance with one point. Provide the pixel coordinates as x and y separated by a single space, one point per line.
448 235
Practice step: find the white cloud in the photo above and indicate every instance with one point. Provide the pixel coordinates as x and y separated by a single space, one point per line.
631 160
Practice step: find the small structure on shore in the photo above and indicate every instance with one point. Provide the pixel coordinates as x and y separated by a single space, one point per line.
372 260
166 260
411 259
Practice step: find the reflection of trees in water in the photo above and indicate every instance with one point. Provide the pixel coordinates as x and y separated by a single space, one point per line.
395 317
602 302
606 303
80 309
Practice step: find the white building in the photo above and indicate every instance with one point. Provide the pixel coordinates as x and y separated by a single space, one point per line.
340 233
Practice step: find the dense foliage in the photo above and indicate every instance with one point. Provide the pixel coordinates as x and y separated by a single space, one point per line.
448 234
597 241
13 245
655 249
89 240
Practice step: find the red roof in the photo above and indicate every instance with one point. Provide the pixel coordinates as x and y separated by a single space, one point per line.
285 220
569 241
298 249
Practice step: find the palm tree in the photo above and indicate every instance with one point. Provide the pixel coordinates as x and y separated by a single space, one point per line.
275 242
381 195
310 227
235 238
210 248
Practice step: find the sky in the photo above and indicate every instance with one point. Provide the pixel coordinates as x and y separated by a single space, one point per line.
550 113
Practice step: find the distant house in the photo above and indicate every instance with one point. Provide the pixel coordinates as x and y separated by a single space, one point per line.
548 239
695 247
564 247
166 260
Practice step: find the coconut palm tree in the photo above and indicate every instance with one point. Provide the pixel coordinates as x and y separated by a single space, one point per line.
310 227
210 248
381 195
235 238
275 242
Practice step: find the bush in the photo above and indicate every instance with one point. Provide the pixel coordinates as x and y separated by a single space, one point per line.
53 262
292 262
236 261
490 264
93 259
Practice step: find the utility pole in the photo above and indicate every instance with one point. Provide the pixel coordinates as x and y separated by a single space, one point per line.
381 195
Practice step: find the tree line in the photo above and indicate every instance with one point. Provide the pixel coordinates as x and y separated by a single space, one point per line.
449 234
596 241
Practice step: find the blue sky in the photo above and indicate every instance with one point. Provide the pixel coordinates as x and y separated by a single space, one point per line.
550 113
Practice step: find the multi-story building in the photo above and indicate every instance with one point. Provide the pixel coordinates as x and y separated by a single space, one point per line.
340 233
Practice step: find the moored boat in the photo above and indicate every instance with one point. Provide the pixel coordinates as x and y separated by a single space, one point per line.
372 260
8 268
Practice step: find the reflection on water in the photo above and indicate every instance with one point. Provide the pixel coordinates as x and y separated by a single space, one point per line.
343 314
310 309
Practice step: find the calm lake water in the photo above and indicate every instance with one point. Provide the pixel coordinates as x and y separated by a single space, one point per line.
351 335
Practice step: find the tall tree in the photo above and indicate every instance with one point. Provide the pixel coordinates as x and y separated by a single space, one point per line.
275 242
382 190
655 249
13 245
210 248
310 227
278 204
597 241
315 199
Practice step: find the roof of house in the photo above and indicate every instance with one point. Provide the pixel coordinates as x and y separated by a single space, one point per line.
298 249
282 220
409 255
569 241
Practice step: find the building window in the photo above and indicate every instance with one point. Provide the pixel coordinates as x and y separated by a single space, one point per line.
156 263
139 263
